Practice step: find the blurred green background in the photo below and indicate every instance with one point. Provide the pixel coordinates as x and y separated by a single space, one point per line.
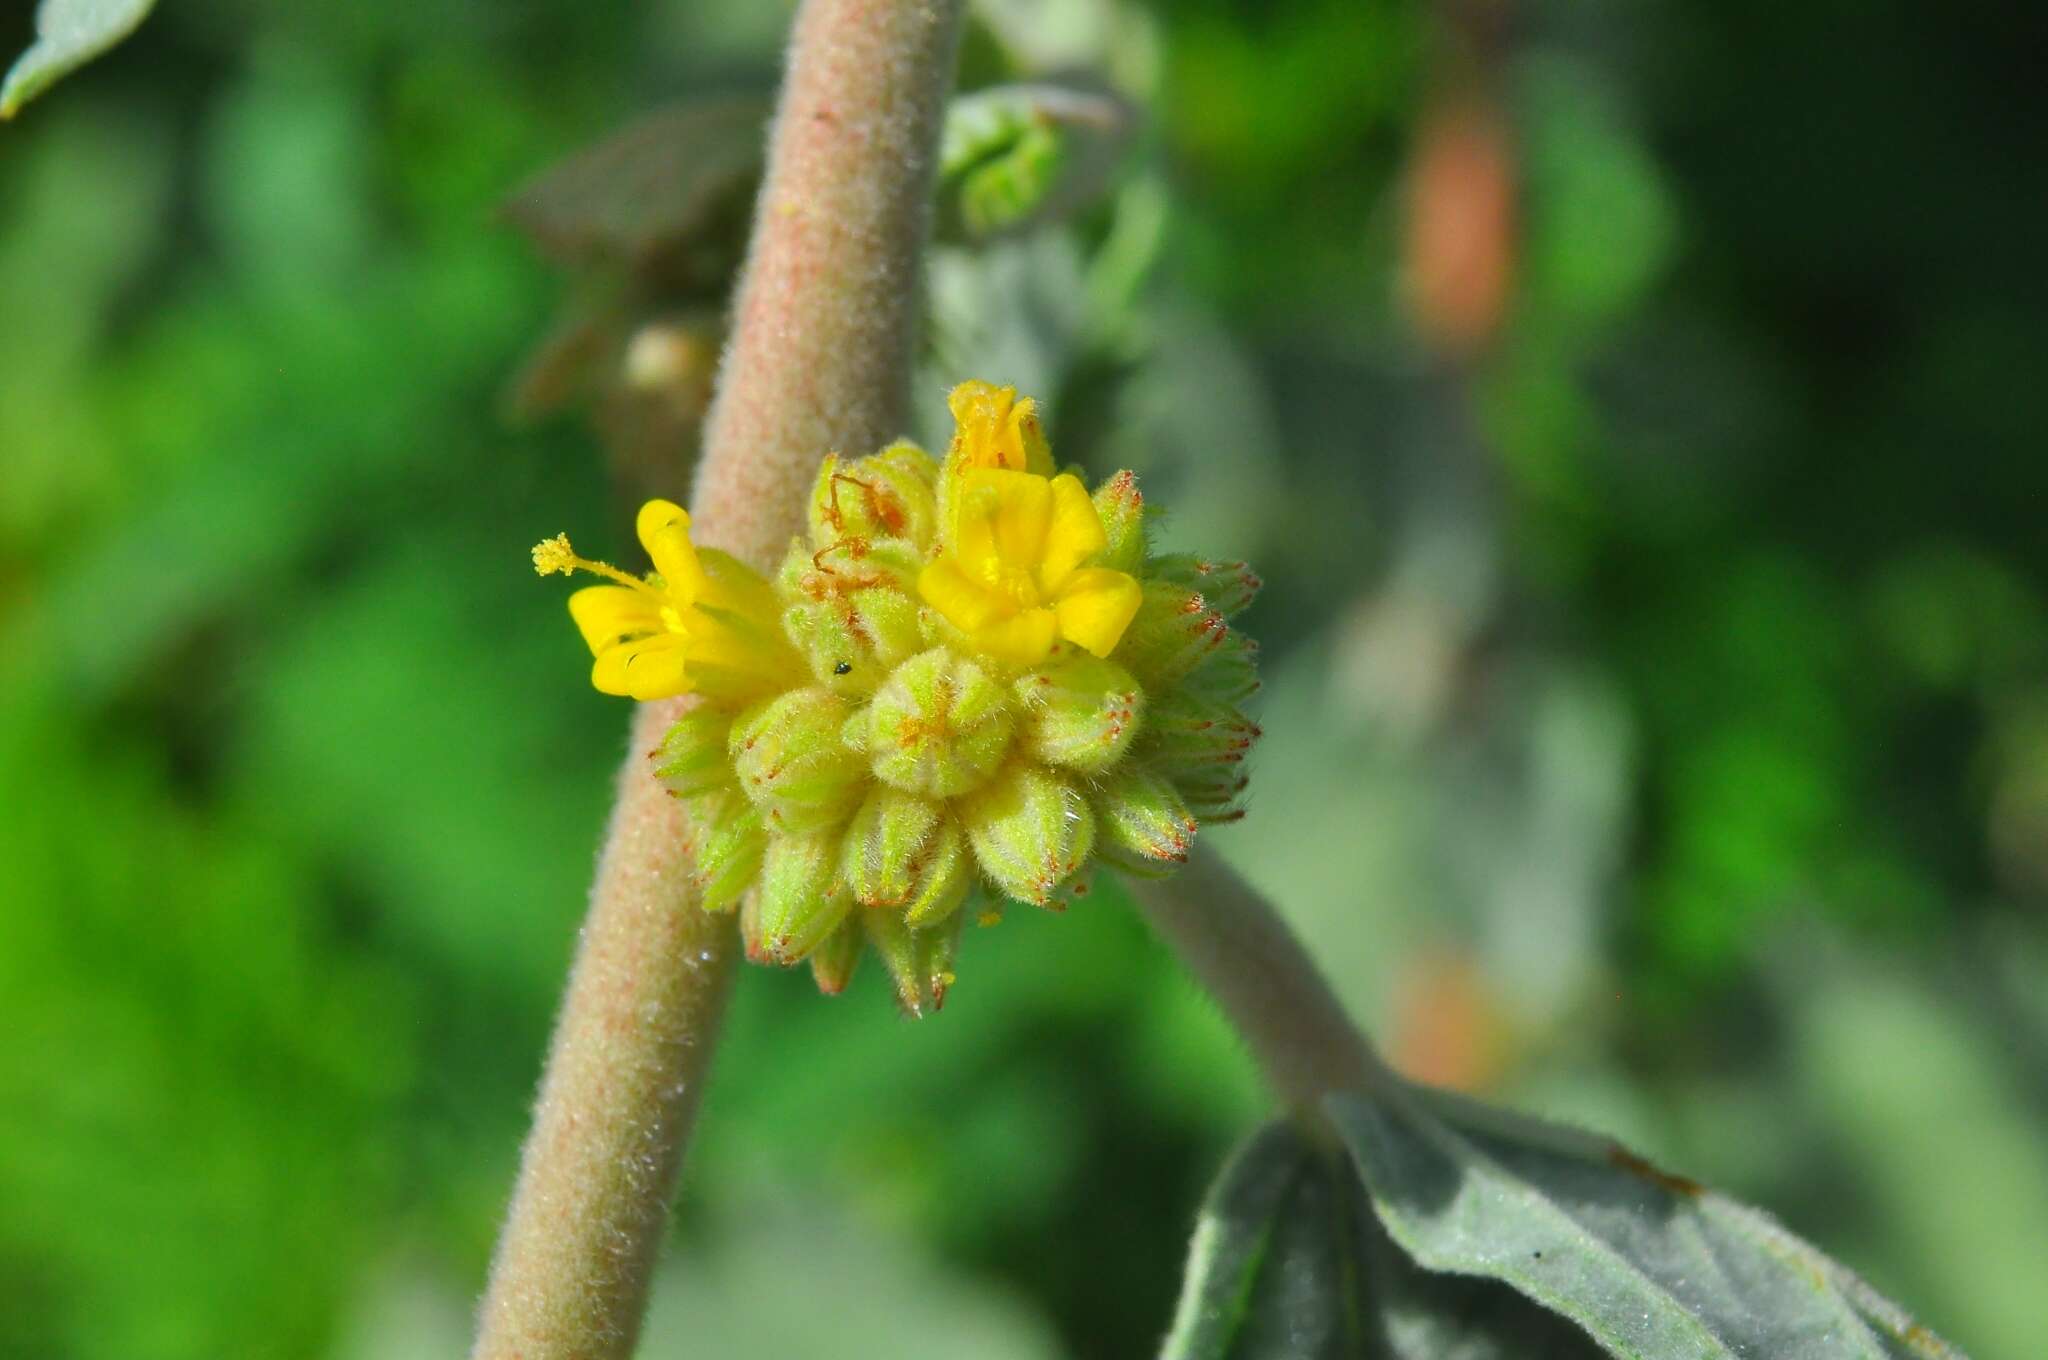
1636 410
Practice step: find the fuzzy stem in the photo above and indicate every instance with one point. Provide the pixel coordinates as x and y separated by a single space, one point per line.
820 359
1236 945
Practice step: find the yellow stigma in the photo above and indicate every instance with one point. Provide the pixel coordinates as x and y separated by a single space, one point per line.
1014 575
994 428
705 622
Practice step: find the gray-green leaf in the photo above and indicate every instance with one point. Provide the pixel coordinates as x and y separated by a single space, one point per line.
1442 1228
1288 1263
69 33
1653 1266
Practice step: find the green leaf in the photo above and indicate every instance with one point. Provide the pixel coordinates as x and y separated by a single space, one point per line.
1653 1266
1439 1228
69 33
1016 156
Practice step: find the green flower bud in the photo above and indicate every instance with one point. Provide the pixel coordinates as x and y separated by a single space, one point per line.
1146 825
888 495
853 642
1226 587
1079 711
791 763
691 758
939 725
802 899
1122 511
1031 830
1173 633
1230 675
833 962
920 962
1212 794
726 845
1186 733
904 853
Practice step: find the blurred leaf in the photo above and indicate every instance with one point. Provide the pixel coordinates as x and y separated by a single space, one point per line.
1651 1265
1018 156
69 33
648 196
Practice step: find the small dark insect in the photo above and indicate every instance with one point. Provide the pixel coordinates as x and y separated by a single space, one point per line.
842 668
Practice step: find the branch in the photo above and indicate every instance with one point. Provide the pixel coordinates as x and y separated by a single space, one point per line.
820 360
1230 938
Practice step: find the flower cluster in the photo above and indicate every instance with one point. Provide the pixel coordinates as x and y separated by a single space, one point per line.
971 678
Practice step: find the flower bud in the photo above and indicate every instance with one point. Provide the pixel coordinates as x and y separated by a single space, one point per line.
691 758
726 844
1146 825
1079 711
1122 511
1230 674
802 899
1226 587
905 854
1173 632
852 642
920 962
1185 733
939 725
833 962
886 496
791 763
1031 830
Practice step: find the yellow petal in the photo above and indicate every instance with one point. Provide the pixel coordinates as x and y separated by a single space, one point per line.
664 530
1023 514
607 614
993 429
1095 606
735 587
966 603
1024 639
652 668
1075 535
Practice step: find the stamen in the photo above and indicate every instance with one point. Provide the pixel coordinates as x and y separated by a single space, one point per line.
556 555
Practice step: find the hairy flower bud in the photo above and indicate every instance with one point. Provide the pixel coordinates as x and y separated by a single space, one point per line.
692 757
1173 632
920 961
791 763
726 844
802 899
1122 512
888 495
1146 827
1031 830
1226 587
907 853
1080 712
940 725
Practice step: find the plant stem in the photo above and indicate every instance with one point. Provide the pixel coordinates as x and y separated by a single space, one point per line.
820 359
1236 945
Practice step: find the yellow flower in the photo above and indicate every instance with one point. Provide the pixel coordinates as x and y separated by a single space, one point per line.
703 623
993 429
1014 574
